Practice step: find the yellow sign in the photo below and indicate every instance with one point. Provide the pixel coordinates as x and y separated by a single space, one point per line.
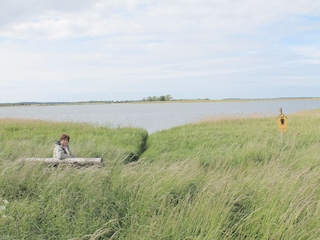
282 122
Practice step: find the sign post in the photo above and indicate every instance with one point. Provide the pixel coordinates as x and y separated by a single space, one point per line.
282 122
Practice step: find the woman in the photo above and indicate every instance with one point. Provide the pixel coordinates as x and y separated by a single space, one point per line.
61 149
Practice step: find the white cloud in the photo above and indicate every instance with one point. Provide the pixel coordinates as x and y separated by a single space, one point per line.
141 46
52 20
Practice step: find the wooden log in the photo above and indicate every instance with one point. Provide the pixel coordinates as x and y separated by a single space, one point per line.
81 161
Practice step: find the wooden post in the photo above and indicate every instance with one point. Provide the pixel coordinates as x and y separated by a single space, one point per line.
281 133
80 161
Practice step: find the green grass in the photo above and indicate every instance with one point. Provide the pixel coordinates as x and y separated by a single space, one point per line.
230 178
33 138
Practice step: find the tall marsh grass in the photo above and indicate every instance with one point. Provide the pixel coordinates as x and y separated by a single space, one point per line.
231 178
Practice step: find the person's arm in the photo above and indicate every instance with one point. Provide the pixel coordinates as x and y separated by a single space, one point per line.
70 154
59 153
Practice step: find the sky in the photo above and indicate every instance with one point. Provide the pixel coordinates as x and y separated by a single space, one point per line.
107 50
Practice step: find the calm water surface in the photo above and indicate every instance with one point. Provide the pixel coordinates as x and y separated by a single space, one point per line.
155 116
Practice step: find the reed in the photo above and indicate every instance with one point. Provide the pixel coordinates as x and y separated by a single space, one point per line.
230 178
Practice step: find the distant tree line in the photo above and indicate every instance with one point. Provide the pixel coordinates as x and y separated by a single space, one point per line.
158 98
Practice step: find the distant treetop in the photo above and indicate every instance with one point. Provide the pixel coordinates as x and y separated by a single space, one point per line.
160 98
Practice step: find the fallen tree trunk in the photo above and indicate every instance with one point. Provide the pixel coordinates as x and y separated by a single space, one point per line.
81 161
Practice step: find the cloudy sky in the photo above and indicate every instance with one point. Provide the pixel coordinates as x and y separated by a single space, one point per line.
81 50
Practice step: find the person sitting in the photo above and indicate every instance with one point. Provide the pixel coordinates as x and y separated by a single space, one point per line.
61 149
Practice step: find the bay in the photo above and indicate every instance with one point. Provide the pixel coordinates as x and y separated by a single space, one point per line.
156 116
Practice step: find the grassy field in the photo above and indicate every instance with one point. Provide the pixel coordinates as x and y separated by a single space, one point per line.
228 178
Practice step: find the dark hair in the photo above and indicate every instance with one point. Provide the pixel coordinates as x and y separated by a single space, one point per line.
65 136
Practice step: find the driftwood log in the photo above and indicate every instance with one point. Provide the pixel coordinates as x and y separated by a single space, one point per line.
80 161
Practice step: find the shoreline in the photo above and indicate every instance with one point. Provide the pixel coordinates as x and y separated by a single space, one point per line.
26 104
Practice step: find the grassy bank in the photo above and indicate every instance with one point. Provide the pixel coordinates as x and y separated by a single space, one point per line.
216 179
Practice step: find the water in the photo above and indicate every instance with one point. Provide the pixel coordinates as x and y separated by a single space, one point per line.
155 116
